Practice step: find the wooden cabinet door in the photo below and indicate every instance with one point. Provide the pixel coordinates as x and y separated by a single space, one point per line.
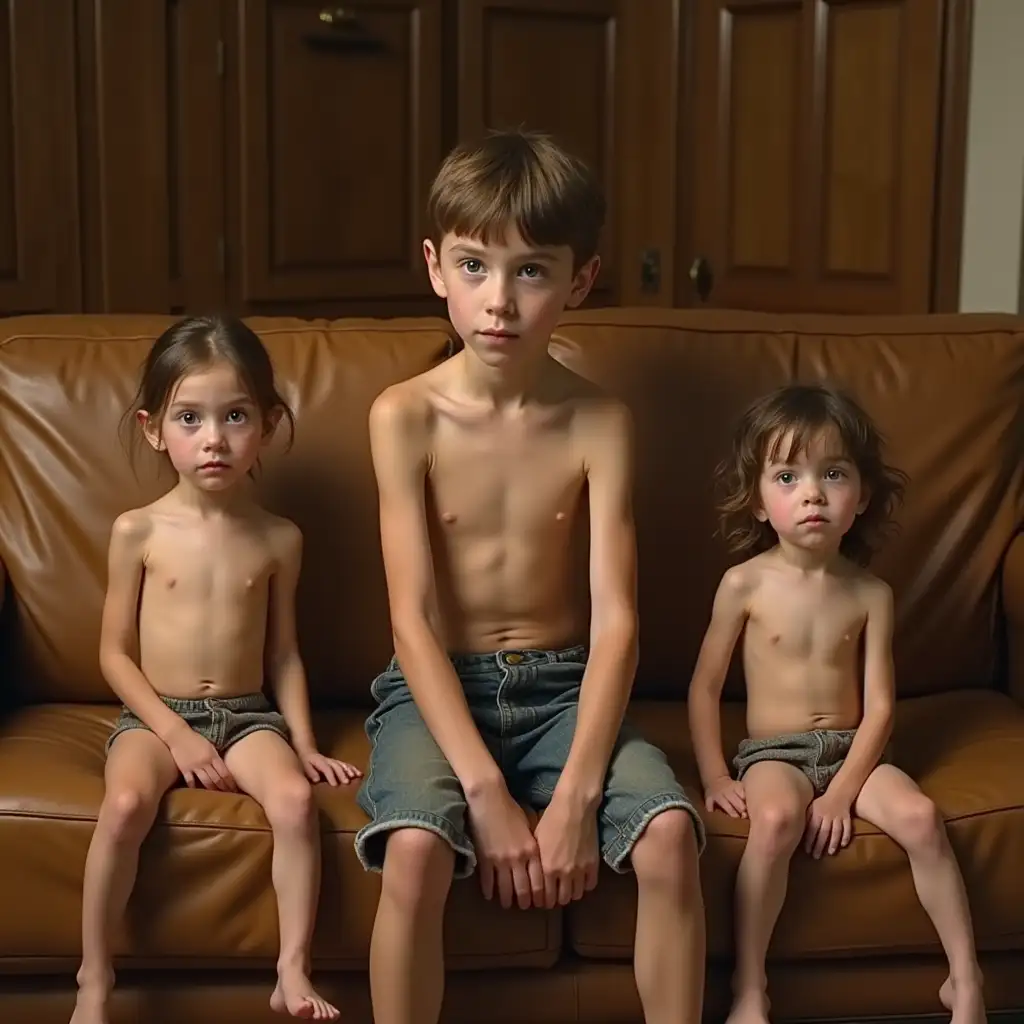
815 133
39 255
552 66
153 166
339 117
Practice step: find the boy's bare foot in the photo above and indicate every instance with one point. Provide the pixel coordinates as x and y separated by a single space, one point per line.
749 1008
964 1000
295 995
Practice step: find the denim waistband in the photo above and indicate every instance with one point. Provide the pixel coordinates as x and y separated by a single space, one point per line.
243 702
513 657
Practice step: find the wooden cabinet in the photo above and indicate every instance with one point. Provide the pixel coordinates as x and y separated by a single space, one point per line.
816 133
39 254
152 125
336 132
274 156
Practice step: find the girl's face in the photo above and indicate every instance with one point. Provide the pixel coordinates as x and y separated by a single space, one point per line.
211 428
812 498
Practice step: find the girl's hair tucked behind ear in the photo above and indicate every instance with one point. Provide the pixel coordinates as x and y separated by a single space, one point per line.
196 343
799 412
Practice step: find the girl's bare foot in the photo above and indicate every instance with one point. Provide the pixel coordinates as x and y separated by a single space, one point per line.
964 1000
91 1004
749 1008
295 995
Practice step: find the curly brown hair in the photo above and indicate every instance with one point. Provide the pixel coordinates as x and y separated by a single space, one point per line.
801 411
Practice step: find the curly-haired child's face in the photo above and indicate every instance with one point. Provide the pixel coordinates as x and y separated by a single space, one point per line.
812 497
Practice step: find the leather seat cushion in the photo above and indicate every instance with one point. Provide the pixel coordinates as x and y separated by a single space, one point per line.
966 751
204 873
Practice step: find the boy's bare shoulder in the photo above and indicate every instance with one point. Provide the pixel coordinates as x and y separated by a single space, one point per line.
595 411
404 408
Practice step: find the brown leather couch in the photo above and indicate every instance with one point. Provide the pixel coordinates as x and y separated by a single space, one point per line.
201 940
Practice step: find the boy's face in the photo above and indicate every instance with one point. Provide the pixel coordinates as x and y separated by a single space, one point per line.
505 298
811 498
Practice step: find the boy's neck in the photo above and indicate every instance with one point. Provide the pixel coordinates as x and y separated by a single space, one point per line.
513 384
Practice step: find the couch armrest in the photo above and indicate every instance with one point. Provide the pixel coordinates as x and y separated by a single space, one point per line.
1013 606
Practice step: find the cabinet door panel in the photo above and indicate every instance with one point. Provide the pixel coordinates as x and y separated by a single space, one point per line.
340 134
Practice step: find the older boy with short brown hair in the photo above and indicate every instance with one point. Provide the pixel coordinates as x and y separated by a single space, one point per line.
503 691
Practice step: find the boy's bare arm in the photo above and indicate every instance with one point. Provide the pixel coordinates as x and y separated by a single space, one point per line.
398 449
728 613
119 635
611 666
879 696
283 661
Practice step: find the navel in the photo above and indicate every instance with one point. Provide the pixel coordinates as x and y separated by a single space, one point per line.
171 584
776 637
448 517
560 516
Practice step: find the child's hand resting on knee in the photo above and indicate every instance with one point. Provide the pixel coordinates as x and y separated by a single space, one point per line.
829 825
728 795
319 767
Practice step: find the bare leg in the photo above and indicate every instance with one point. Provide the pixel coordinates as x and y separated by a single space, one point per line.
138 773
891 801
777 799
406 951
265 767
670 940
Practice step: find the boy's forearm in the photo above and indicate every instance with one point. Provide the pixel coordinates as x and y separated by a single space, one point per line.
442 703
125 678
705 721
292 695
604 696
865 752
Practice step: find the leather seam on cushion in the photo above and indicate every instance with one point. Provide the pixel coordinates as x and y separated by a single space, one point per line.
789 331
38 816
134 338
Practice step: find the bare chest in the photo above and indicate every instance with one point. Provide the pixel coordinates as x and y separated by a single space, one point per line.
488 482
824 626
207 569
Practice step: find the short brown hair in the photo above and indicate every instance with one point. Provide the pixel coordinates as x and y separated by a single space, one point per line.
803 410
518 178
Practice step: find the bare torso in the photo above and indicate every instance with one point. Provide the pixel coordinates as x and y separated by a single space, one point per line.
801 648
204 599
503 500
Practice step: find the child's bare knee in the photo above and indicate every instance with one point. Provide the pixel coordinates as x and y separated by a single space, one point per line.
776 828
666 853
418 867
917 824
127 814
289 805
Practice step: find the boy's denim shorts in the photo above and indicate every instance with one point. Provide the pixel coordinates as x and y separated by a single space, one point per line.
524 703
